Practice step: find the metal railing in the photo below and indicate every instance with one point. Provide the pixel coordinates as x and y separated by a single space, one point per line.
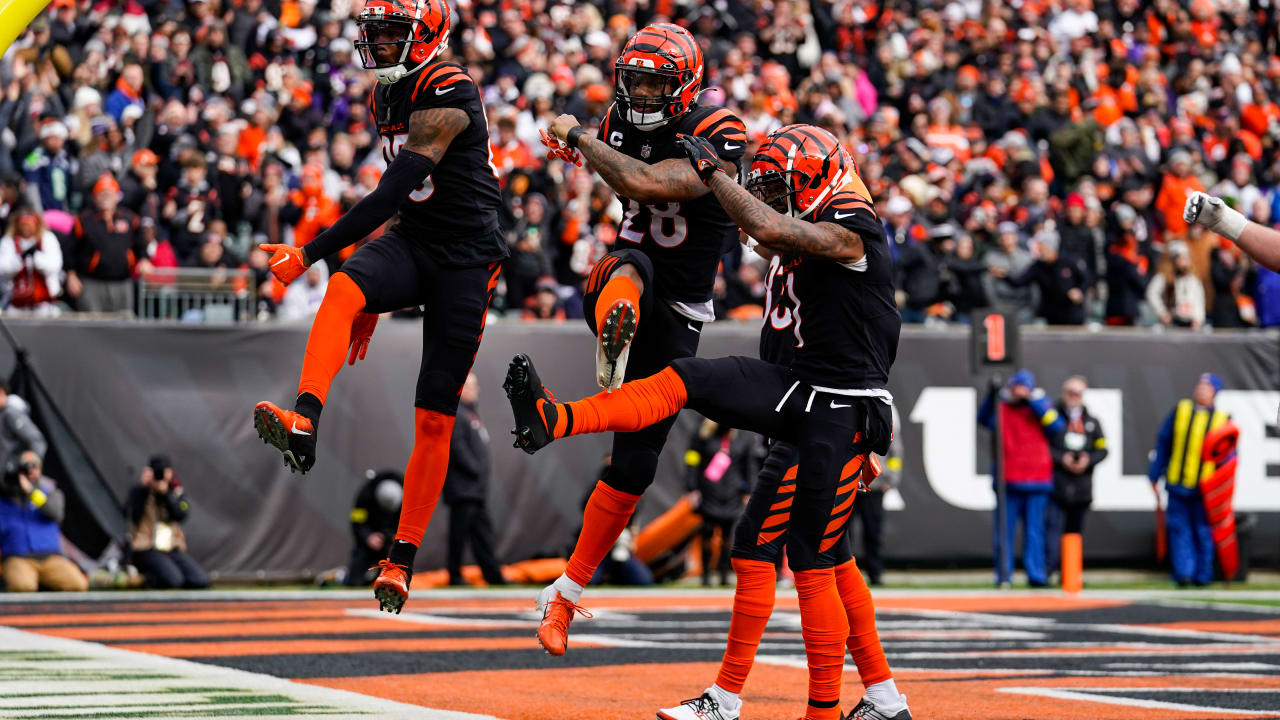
198 295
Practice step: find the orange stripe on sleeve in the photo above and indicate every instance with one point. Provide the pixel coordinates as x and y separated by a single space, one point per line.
711 119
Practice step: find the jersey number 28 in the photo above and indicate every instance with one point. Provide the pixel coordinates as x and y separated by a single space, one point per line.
660 216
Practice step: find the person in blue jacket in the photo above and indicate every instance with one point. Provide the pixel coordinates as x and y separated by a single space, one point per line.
1027 421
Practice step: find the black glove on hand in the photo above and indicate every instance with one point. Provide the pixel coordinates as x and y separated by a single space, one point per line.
701 154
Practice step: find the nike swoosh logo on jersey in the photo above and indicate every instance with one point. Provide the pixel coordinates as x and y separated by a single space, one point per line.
296 431
731 146
836 406
691 327
841 216
442 91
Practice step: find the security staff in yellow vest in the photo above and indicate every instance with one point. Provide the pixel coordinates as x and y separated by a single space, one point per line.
1179 460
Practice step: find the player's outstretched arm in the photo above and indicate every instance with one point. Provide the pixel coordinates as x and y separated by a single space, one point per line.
430 132
1257 241
769 227
666 181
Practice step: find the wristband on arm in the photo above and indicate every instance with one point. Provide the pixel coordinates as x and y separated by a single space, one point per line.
405 173
574 136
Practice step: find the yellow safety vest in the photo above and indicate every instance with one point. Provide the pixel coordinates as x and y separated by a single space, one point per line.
1190 426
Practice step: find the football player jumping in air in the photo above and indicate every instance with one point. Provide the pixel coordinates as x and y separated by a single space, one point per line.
443 249
646 301
831 300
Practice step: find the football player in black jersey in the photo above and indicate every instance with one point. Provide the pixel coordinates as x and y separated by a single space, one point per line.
646 301
831 302
443 249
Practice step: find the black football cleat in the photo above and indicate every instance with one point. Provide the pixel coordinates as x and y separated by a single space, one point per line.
289 432
531 404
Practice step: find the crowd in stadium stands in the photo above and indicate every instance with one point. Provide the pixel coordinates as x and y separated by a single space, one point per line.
1034 153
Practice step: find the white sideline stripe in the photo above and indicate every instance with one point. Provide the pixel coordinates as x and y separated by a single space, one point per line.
425 619
1034 622
1131 702
116 660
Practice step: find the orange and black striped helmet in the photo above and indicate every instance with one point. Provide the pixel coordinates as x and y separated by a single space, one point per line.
798 167
657 76
417 29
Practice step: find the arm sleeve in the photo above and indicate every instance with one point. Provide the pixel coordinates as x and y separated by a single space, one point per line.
692 464
22 425
135 503
1155 294
405 173
1097 444
727 134
1160 460
179 505
852 212
48 259
1050 420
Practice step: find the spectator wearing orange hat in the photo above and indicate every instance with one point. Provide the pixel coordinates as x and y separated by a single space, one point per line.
1078 240
106 248
140 186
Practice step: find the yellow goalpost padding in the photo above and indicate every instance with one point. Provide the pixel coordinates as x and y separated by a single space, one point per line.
15 16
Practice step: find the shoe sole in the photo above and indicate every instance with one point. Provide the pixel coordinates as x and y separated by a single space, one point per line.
618 332
521 390
389 599
273 433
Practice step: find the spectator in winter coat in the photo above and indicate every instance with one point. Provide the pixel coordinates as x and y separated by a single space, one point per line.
49 169
1008 259
374 520
1076 451
30 263
719 466
106 247
466 491
917 269
967 273
1062 283
1078 237
1027 420
155 510
1177 297
302 299
1126 271
1232 275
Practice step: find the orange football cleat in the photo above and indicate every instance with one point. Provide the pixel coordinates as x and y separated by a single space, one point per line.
392 586
292 433
557 613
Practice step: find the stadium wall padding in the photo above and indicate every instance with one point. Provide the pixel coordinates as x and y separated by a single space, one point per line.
133 389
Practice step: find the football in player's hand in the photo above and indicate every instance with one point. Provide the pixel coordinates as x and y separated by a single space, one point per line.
701 154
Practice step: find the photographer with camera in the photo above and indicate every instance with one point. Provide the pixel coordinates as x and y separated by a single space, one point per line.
31 507
155 510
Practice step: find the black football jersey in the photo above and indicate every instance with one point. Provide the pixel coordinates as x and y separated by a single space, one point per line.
684 240
454 213
836 324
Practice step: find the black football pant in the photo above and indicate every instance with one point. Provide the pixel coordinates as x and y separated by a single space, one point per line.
663 336
395 273
768 399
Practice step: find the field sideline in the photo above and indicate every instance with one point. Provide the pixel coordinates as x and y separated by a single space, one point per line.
454 654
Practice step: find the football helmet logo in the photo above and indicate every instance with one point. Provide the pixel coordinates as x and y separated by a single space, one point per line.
414 30
798 167
657 76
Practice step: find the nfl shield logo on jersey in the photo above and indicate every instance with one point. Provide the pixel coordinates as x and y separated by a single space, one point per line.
644 151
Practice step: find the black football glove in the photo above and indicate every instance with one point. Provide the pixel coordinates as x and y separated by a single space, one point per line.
701 154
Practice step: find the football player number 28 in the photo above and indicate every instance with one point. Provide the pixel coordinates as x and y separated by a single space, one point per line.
666 226
391 146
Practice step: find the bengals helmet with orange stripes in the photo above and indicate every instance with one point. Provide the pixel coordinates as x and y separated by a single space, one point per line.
657 76
417 30
798 167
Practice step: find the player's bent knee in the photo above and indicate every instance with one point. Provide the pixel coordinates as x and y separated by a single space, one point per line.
629 480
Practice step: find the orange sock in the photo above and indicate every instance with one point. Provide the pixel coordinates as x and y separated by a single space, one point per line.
619 287
607 513
864 639
330 335
752 605
424 475
636 405
825 628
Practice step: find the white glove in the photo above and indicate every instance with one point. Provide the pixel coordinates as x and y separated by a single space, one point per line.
1214 214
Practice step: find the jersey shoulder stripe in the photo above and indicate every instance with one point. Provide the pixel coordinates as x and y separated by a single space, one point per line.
715 117
439 75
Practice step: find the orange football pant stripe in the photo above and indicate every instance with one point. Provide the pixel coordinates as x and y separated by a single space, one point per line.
607 513
330 335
